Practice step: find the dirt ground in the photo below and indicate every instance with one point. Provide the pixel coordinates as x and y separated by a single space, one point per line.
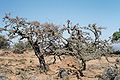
26 67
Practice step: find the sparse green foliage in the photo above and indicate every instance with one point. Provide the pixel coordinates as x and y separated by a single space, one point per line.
116 36
4 44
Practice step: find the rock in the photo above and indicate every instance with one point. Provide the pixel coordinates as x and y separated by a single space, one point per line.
63 73
109 73
34 78
117 77
3 78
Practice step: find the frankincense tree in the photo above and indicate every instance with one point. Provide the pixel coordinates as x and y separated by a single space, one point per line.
83 43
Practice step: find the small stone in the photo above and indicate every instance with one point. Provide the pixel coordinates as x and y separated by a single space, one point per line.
3 78
62 73
117 77
110 73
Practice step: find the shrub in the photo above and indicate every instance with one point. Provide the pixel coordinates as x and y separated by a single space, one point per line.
19 47
3 43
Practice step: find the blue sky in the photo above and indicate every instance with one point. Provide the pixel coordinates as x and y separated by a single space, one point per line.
105 13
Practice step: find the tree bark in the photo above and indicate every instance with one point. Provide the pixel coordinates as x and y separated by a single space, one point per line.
40 56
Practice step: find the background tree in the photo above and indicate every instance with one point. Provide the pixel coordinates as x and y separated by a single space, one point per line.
116 36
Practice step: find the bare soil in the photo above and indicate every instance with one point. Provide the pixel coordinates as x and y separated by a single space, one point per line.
26 67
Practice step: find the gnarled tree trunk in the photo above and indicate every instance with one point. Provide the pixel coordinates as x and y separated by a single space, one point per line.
40 56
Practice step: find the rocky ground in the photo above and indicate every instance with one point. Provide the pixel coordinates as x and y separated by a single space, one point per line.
26 67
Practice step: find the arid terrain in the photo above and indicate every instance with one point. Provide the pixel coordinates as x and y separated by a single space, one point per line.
26 67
